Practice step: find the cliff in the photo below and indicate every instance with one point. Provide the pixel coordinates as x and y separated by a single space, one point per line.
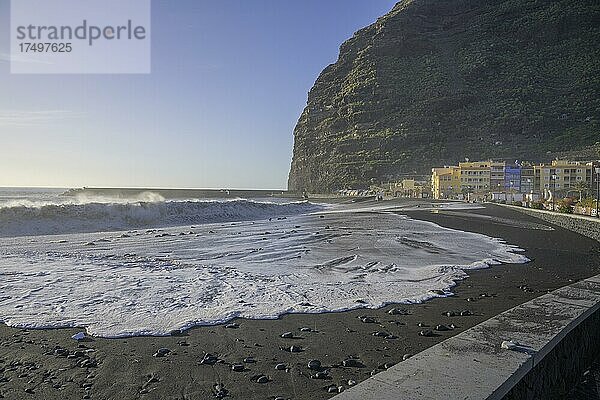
435 81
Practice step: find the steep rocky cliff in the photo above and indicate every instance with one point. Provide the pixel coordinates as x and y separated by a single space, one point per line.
435 81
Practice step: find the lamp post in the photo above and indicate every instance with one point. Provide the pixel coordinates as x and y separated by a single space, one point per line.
553 190
597 190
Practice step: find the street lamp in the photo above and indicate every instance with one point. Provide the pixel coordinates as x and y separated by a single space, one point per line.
597 190
553 190
512 194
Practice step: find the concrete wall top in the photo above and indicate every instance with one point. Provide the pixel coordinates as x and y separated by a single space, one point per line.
473 364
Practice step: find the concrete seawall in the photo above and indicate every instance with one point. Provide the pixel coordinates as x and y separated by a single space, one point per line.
548 343
584 225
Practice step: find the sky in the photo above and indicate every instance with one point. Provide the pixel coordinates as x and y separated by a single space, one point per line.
229 80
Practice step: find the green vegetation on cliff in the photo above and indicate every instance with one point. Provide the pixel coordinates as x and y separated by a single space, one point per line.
435 81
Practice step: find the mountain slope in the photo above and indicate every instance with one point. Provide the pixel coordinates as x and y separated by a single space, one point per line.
435 81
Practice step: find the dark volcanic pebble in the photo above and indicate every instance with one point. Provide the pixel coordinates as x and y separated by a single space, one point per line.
295 349
321 375
367 320
441 328
249 360
232 326
152 379
237 367
314 364
162 352
380 334
280 367
61 352
88 363
398 311
219 391
333 389
353 363
208 359
287 335
426 333
305 329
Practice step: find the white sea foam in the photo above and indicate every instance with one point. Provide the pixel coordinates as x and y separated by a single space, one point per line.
150 282
148 210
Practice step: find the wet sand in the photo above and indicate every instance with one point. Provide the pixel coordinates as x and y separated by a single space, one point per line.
32 368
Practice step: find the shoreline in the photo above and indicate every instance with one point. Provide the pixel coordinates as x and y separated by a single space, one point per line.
335 336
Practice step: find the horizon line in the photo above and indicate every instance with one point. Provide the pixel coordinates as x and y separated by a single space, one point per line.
136 187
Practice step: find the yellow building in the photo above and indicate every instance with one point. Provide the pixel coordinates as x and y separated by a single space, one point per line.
408 188
408 184
445 182
562 175
486 177
475 176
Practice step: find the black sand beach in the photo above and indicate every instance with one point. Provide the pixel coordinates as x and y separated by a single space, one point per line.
32 368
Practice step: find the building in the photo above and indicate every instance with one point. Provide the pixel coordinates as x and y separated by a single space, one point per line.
445 182
475 176
512 178
562 176
406 188
497 176
528 179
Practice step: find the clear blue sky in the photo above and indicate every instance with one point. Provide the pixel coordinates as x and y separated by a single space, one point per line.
229 81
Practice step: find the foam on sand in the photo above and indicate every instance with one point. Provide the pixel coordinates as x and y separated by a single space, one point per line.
150 282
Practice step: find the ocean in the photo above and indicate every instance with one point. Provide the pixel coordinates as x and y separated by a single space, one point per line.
147 262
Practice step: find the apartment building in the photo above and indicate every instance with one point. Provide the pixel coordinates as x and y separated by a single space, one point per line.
497 181
528 179
562 175
445 182
482 177
475 176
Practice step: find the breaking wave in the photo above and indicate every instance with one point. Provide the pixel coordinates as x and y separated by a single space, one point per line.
49 219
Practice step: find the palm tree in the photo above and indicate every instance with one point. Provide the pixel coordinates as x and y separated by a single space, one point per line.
581 187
